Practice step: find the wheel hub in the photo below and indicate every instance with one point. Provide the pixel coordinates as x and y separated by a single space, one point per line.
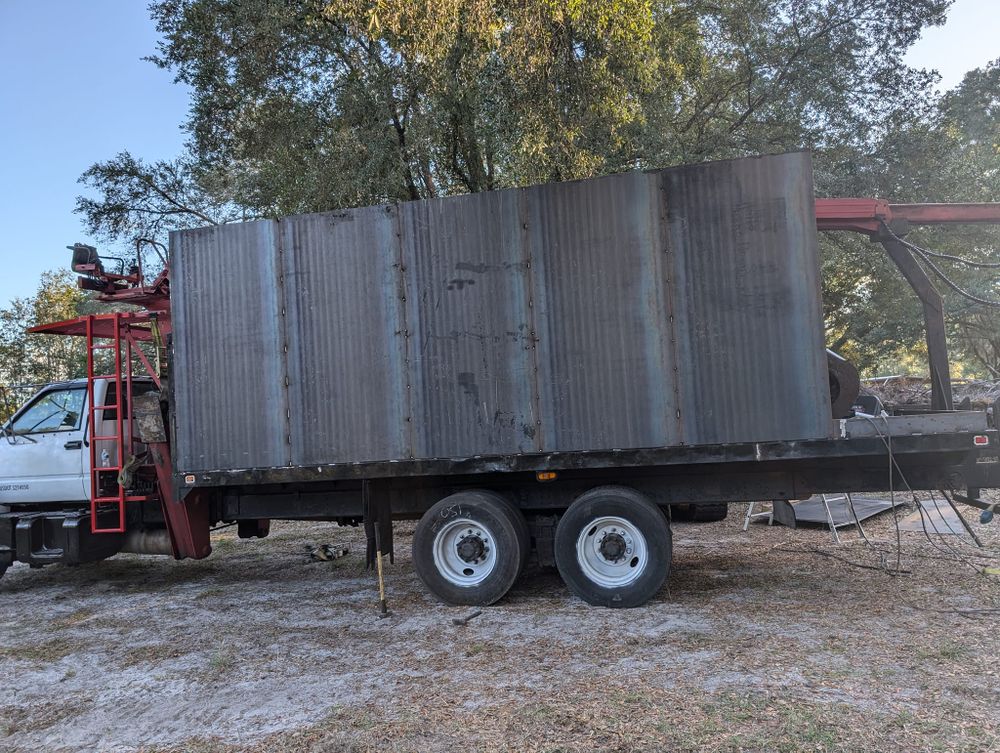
613 546
465 552
612 551
471 548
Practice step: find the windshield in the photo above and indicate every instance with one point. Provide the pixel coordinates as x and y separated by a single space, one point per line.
55 410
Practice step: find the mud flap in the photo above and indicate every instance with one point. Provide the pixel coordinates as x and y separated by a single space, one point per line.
186 513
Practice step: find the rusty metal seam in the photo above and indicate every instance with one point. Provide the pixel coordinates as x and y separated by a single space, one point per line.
401 302
670 274
279 268
530 297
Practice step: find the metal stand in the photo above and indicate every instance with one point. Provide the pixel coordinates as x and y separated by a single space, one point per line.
829 515
751 514
383 607
965 523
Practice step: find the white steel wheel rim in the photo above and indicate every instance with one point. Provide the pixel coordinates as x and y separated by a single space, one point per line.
465 552
611 551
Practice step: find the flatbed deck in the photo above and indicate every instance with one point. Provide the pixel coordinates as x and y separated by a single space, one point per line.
943 450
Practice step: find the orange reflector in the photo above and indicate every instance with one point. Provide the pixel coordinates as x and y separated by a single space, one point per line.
546 475
980 439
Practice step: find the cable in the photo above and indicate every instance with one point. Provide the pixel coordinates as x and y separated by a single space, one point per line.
924 256
959 259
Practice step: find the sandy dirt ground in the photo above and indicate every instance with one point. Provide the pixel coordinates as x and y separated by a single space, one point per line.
768 640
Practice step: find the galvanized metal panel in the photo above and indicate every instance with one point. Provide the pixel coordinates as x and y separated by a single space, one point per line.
469 349
605 369
346 372
748 311
227 368
639 310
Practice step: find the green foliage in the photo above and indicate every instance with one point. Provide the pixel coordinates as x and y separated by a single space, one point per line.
140 200
312 105
951 154
27 359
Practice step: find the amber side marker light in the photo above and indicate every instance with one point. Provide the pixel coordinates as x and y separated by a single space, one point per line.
546 475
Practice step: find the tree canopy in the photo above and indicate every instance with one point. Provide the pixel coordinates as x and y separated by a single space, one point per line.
313 105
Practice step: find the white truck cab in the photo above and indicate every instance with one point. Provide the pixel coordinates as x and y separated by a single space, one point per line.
45 446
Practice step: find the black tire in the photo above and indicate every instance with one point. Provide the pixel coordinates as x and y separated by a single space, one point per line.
639 516
495 528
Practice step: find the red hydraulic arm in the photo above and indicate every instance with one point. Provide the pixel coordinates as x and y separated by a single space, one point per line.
887 223
871 216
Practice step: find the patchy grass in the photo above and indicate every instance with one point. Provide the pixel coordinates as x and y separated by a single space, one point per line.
74 618
210 593
222 662
152 653
51 650
15 719
759 643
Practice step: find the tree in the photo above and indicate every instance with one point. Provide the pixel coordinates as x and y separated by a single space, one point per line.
140 200
951 154
313 105
29 359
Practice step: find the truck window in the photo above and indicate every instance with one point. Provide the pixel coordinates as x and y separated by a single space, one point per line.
138 388
55 410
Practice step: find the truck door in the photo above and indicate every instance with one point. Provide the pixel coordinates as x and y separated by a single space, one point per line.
42 449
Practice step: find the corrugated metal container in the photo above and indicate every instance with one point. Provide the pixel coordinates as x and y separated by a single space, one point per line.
670 307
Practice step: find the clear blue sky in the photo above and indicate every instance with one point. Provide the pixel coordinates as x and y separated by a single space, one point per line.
74 90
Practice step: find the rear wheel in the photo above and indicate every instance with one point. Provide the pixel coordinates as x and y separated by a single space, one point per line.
613 547
470 547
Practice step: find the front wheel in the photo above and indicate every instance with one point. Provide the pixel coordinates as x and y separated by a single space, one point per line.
613 547
470 547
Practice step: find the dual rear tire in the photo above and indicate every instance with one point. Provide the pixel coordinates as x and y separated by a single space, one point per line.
612 547
470 547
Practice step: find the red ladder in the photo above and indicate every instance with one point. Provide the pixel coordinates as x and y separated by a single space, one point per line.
120 376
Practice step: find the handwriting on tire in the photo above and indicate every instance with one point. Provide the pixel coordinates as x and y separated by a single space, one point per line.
447 513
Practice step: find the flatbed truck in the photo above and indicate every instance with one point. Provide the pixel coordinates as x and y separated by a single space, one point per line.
92 467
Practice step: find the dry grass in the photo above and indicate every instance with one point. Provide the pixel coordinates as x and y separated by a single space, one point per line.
759 643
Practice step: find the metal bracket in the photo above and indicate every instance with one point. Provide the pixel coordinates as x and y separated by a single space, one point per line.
937 345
